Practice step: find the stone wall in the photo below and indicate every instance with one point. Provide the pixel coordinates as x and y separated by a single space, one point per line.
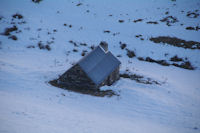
76 78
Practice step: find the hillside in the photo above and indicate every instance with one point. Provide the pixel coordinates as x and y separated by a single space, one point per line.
157 42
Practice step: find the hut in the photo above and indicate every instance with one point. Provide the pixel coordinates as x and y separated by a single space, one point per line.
100 67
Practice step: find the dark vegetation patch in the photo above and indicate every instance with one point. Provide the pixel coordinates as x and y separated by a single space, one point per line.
138 20
193 28
169 20
130 53
192 14
184 64
176 42
120 21
92 92
36 1
139 78
122 45
152 22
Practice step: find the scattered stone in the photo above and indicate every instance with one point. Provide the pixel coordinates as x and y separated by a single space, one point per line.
9 30
152 22
13 37
122 45
17 16
192 14
106 31
36 1
137 36
138 20
169 20
130 53
79 4
75 50
193 28
30 46
121 21
176 59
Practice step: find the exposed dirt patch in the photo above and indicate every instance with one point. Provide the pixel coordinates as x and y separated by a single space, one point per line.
139 78
176 42
92 92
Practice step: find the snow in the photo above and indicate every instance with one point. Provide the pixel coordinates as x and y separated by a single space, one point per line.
28 103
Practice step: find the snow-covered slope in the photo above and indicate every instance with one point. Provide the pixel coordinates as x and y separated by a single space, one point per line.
44 39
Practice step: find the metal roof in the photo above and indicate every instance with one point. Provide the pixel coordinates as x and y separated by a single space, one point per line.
98 64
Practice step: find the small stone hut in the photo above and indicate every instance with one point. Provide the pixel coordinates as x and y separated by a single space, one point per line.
96 69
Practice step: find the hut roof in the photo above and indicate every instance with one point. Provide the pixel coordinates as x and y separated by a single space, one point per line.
99 64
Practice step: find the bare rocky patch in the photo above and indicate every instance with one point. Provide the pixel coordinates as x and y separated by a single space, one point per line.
139 78
92 92
176 42
183 63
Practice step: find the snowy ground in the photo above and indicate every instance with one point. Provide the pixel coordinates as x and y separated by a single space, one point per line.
29 104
